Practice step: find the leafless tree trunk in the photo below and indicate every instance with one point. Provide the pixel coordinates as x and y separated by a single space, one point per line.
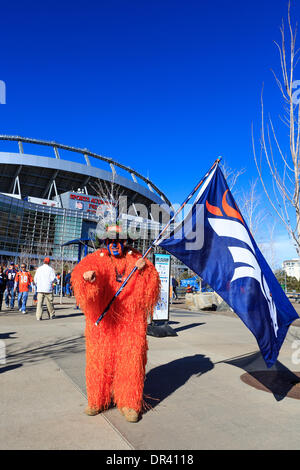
250 206
284 168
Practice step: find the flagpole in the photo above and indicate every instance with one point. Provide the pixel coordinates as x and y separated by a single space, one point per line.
217 161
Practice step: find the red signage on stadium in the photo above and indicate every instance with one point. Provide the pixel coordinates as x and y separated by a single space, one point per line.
94 202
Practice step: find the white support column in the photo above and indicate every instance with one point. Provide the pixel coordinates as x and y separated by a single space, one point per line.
133 177
113 170
87 160
20 147
55 188
53 185
50 190
136 212
17 185
56 153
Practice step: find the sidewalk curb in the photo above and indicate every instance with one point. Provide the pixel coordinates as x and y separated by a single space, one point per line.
101 414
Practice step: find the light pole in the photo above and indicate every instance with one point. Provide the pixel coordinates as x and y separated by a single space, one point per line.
285 289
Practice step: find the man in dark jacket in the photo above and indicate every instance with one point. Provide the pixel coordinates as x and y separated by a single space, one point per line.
10 284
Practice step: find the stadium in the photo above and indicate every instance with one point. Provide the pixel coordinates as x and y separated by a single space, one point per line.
49 199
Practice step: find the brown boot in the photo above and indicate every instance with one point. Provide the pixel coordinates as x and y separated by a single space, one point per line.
130 415
92 411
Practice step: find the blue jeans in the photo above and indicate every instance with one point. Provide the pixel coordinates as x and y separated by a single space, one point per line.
22 300
9 292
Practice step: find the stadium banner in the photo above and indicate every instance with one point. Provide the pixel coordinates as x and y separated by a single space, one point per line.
81 202
163 266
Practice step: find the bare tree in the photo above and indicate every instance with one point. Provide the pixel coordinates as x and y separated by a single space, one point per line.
259 220
251 209
231 175
110 194
268 245
111 208
284 167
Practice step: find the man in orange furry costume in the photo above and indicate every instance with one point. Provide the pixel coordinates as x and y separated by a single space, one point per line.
116 349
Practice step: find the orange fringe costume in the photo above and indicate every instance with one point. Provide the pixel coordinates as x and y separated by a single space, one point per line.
116 349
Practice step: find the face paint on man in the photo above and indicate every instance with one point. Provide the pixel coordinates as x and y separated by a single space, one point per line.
115 247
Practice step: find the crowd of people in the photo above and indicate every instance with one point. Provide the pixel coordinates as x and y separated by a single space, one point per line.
16 281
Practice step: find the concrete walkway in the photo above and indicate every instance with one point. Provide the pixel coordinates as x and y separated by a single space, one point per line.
193 386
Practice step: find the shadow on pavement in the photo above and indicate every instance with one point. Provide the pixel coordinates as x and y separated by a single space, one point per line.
70 315
7 335
187 327
59 349
164 380
7 368
279 380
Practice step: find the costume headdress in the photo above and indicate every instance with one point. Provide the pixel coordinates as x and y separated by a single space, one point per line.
110 224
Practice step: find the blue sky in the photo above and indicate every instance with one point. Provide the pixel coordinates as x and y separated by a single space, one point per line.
162 86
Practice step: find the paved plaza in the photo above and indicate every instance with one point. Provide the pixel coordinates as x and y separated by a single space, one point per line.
196 395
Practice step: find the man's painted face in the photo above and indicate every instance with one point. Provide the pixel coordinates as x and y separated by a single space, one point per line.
115 247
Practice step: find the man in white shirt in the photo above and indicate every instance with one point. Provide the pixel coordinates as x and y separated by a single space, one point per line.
43 279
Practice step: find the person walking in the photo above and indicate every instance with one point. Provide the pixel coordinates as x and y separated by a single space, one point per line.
68 283
63 283
10 273
174 286
57 284
2 285
43 279
23 280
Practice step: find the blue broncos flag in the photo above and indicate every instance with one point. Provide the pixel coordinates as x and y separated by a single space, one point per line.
215 242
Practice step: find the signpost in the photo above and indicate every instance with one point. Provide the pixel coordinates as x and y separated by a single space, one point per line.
159 326
163 267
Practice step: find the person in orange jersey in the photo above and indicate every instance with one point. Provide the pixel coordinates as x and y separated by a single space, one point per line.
189 289
116 349
23 280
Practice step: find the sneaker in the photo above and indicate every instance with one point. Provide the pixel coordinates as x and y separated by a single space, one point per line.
24 312
39 319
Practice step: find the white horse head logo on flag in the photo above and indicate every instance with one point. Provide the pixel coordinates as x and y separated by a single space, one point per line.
224 227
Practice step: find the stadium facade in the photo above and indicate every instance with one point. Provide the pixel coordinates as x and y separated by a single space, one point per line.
48 197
